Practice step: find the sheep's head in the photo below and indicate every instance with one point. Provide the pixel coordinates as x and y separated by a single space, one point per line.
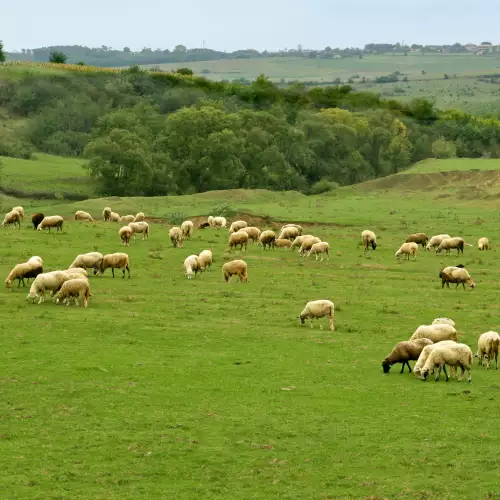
424 374
386 366
471 283
302 320
8 282
374 245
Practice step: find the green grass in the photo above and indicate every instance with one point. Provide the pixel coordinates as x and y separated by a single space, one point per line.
170 388
453 165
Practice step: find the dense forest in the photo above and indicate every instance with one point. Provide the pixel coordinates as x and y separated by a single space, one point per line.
154 133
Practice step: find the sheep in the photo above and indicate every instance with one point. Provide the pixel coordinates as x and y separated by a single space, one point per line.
318 309
253 233
35 260
443 321
175 235
205 259
51 221
425 354
451 243
127 218
78 270
139 217
322 248
203 225
297 242
12 217
369 238
187 228
267 238
235 267
403 352
106 214
418 238
46 281
459 355
36 219
455 274
435 241
239 238
191 266
86 260
81 215
125 234
436 332
299 228
141 228
289 233
219 221
307 244
25 270
237 225
483 244
113 261
282 243
76 289
210 221
20 210
114 217
488 345
408 249
72 275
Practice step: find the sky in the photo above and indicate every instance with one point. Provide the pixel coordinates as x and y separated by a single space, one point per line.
231 25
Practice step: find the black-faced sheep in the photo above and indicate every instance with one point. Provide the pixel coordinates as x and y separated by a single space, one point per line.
403 352
36 219
23 271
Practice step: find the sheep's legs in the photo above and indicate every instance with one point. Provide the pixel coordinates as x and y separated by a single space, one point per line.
332 326
113 272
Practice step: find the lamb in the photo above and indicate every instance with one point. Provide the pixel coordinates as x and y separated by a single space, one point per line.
86 260
483 244
403 352
239 238
187 228
51 221
299 228
282 243
76 289
114 217
488 346
30 269
81 215
459 355
127 218
113 261
289 233
191 266
451 243
435 241
307 244
418 238
456 275
126 234
267 239
235 267
436 333
106 214
443 321
408 249
36 219
140 228
139 217
46 281
369 238
205 259
425 354
318 309
175 235
12 217
237 225
20 210
253 233
321 248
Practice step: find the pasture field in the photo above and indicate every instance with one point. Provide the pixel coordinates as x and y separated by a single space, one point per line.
172 388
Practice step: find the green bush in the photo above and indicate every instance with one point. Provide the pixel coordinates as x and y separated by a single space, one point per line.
224 210
441 148
176 218
322 186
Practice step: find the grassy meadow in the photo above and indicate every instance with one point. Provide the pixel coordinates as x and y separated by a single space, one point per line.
172 388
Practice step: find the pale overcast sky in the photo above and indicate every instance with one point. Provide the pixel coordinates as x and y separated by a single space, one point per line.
230 25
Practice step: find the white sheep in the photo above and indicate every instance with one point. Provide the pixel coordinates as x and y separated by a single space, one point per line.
452 274
114 217
239 238
459 355
289 233
46 281
35 260
408 249
307 244
483 244
141 227
187 228
12 217
299 228
318 309
488 345
191 266
217 221
436 332
127 218
267 239
369 238
237 225
76 289
78 270
321 248
25 270
126 234
113 261
297 242
139 217
19 210
451 244
205 259
86 260
106 214
425 354
51 221
443 321
175 235
253 233
235 267
81 215
436 240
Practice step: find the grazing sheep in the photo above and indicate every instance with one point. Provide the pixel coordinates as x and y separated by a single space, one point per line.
139 217
140 228
237 225
81 215
205 259
76 289
487 347
20 211
307 244
23 271
36 219
51 221
191 266
369 238
113 261
435 241
297 242
217 221
459 355
127 218
282 243
46 281
86 260
408 249
443 321
436 333
12 218
235 267
114 217
403 352
418 238
72 275
289 233
253 233
452 274
78 270
126 234
425 354
318 309
239 238
299 228
267 239
210 221
187 228
321 248
451 243
175 235
483 244
106 214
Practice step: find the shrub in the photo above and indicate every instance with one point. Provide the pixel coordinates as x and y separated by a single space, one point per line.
441 148
57 57
322 186
223 210
176 218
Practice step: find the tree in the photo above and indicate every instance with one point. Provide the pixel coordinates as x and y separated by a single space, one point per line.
2 53
57 57
185 71
486 43
126 50
180 48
